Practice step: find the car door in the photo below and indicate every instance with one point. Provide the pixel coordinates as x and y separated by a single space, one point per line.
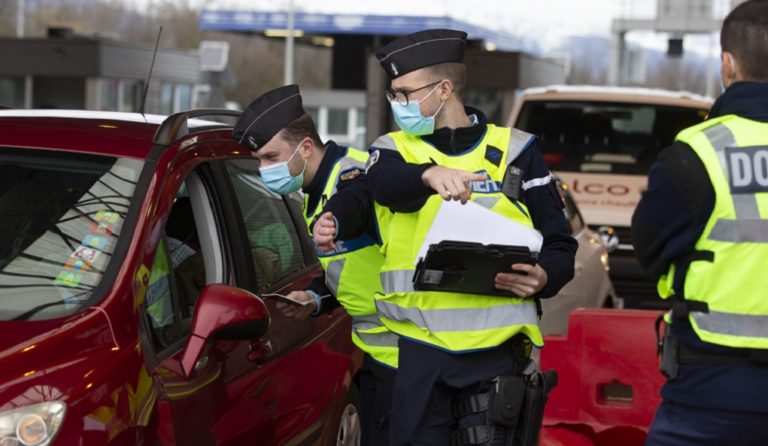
308 360
282 388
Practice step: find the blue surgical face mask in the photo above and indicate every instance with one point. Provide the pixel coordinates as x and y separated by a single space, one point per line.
278 178
409 118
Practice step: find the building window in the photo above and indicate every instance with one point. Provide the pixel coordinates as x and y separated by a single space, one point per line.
12 92
108 92
338 121
129 94
314 112
183 98
166 99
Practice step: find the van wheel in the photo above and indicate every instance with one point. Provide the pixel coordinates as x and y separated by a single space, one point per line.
349 424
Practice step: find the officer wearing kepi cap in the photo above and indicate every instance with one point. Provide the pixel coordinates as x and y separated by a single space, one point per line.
452 345
284 139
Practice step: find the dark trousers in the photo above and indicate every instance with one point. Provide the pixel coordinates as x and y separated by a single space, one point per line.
429 380
375 382
680 425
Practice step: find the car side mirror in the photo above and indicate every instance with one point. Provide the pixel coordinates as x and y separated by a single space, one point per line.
223 312
609 237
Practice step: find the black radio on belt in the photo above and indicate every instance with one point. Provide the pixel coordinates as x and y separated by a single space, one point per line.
512 185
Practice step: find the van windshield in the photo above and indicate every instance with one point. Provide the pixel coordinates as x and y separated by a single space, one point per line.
61 215
605 137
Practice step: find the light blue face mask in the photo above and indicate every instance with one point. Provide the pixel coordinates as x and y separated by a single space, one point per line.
278 178
409 118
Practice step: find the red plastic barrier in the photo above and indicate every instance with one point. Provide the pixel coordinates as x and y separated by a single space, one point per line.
608 374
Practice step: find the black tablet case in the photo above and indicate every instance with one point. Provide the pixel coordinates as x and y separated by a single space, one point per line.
468 267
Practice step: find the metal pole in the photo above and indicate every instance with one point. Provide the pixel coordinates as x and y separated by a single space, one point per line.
288 73
19 18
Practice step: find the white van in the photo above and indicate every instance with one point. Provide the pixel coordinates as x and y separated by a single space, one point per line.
602 141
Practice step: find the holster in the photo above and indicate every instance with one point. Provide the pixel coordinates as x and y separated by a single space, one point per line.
668 348
537 385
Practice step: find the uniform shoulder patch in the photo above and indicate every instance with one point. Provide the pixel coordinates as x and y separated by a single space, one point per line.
372 159
493 154
350 174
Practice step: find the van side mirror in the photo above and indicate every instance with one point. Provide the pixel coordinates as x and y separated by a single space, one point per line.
223 312
609 237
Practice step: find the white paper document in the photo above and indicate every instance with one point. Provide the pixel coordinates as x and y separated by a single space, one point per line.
472 222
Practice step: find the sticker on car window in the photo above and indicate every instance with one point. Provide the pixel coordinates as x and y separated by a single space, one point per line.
85 253
107 216
94 241
68 278
75 264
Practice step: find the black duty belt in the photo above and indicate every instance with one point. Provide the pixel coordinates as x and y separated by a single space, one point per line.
688 355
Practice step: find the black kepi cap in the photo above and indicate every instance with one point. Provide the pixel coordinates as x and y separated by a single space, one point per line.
422 49
267 115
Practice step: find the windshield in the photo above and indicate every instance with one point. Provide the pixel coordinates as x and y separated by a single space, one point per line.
607 137
61 215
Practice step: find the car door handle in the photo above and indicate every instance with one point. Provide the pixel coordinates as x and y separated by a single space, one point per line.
259 351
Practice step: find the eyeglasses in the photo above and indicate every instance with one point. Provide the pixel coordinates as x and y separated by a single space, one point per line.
401 96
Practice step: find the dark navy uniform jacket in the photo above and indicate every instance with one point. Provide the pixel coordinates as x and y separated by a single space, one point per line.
680 195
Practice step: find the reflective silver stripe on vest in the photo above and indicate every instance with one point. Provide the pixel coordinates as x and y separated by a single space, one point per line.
518 140
397 281
345 164
384 142
732 324
384 339
366 322
332 275
487 202
462 319
748 226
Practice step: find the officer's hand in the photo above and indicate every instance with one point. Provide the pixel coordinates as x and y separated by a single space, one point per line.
451 184
521 284
295 311
324 231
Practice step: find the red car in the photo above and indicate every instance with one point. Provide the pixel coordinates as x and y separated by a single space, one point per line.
132 253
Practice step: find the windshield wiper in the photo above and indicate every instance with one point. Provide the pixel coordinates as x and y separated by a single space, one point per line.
32 311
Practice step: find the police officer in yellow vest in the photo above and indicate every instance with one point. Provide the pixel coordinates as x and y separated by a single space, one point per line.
284 139
453 345
701 229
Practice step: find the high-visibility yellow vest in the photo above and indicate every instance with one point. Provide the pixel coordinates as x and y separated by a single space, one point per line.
352 270
453 321
731 282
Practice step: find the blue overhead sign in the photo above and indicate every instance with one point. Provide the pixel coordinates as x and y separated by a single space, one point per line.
313 23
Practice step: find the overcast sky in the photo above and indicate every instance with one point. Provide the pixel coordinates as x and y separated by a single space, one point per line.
545 22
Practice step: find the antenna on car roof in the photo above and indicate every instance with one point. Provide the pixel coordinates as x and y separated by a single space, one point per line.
149 75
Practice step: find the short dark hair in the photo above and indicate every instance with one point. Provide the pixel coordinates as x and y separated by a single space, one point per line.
454 72
300 128
745 35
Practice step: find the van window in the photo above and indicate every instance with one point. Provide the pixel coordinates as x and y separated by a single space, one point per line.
604 137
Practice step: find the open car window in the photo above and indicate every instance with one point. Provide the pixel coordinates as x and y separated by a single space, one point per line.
61 215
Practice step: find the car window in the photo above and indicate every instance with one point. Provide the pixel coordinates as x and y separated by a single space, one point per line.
608 137
61 215
274 243
177 275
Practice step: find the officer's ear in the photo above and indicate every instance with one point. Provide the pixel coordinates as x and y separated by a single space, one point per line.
306 147
730 67
445 89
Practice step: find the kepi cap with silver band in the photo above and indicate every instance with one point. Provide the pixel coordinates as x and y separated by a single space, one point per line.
422 49
267 115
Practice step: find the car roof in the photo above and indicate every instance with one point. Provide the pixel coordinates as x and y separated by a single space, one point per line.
128 135
617 94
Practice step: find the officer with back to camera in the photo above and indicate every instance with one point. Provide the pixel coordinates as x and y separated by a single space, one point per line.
701 229
453 345
284 139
